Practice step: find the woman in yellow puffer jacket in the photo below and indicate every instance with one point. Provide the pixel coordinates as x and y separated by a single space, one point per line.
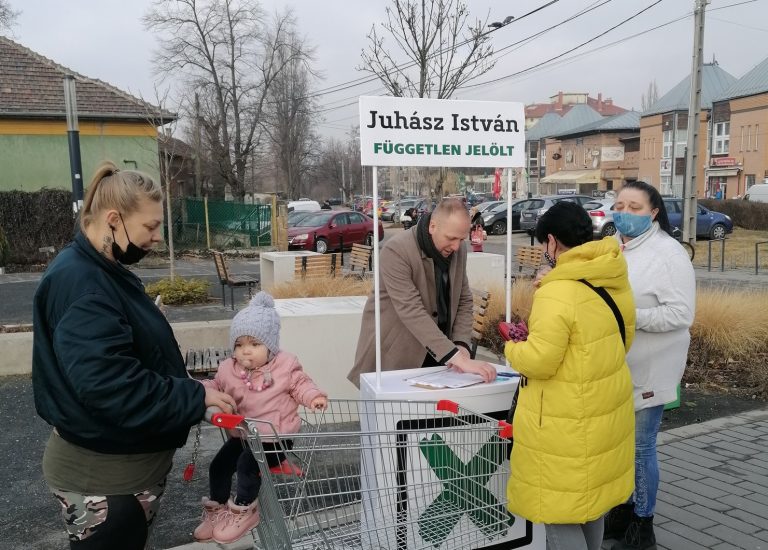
574 433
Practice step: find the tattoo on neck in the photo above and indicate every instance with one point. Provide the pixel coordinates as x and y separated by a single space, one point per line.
105 247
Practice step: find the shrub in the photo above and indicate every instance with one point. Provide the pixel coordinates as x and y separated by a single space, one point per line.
730 331
5 250
327 286
35 220
180 291
746 214
522 300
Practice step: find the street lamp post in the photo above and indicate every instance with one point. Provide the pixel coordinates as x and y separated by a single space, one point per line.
73 139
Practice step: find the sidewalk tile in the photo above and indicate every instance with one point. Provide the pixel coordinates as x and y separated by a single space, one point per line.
745 504
686 517
706 491
722 519
735 538
675 541
694 535
727 487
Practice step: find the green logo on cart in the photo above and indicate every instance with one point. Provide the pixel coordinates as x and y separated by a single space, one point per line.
464 491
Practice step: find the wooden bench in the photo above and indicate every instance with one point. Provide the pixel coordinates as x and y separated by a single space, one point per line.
201 363
528 257
480 301
232 281
315 267
360 261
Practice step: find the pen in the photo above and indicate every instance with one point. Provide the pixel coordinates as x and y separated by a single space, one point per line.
501 375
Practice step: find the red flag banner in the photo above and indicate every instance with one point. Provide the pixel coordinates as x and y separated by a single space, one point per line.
497 184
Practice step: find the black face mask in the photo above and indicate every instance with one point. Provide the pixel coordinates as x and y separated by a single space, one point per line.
131 254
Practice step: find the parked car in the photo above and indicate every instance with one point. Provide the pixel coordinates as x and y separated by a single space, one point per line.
421 207
398 207
327 230
477 211
709 224
757 193
303 204
297 215
475 199
530 215
388 210
495 219
601 213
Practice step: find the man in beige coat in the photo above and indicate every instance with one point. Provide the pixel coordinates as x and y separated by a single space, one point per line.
426 303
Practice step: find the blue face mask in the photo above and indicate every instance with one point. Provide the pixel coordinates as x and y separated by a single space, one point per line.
632 225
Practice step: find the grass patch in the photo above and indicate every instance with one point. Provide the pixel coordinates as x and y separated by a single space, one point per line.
739 250
180 291
323 287
729 341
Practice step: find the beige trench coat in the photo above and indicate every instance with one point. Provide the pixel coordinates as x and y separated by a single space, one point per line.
409 309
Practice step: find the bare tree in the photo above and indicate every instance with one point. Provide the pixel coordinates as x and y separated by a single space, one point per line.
290 114
226 51
650 96
7 16
443 48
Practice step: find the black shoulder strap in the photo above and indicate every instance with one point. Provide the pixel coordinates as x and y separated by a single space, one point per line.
611 304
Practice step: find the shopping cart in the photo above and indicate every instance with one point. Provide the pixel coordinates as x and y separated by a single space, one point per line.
381 475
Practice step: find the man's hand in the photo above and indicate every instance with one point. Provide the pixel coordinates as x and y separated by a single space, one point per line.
221 400
465 364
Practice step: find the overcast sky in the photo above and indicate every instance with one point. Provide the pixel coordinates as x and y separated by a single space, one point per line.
105 39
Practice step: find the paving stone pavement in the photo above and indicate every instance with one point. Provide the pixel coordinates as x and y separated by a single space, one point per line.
714 485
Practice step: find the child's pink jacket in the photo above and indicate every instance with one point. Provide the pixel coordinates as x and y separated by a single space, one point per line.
277 404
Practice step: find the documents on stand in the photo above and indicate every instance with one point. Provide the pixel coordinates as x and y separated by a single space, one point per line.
447 378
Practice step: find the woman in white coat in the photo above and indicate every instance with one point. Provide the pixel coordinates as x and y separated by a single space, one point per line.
664 287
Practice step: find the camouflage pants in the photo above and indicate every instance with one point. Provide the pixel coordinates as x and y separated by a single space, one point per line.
107 518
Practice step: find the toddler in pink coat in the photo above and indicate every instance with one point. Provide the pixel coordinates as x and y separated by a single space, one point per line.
268 384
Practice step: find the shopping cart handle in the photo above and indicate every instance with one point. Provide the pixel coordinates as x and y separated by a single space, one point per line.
222 420
505 429
448 405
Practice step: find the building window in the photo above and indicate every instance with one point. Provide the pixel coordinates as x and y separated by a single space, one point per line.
757 130
666 151
741 143
722 138
680 146
749 179
666 185
749 137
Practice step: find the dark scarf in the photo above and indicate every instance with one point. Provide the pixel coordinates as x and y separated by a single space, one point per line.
442 267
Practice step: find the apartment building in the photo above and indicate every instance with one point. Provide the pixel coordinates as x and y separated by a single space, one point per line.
664 133
738 153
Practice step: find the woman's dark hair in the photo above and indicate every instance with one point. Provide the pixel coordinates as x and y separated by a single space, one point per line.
654 197
568 222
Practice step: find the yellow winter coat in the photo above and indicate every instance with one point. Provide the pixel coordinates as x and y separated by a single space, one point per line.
574 427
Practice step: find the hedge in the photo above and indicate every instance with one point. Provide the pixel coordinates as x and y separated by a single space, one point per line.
746 214
33 220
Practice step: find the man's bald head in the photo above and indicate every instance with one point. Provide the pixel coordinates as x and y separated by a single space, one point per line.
449 226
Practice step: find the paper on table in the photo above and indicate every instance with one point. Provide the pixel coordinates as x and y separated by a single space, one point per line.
446 379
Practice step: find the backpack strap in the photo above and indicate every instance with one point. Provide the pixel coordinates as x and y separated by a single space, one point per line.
611 304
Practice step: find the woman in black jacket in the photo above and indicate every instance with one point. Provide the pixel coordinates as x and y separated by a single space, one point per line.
107 371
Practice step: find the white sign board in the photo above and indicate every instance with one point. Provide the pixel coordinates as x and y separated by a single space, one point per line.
612 154
397 131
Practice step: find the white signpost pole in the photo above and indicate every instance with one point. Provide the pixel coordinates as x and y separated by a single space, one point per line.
508 286
376 288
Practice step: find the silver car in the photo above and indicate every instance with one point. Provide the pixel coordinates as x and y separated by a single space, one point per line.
601 213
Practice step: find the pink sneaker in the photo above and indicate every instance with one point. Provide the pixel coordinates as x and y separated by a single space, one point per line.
212 514
237 521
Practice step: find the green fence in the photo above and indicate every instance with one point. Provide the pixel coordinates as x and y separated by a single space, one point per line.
229 224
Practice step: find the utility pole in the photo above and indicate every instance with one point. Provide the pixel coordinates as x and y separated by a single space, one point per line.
342 179
198 149
73 138
694 113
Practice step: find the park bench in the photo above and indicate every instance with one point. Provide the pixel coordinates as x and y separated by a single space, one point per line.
232 281
360 261
202 363
528 258
315 267
480 301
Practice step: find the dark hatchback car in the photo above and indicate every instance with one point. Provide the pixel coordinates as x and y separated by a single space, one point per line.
495 219
709 224
329 230
530 215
